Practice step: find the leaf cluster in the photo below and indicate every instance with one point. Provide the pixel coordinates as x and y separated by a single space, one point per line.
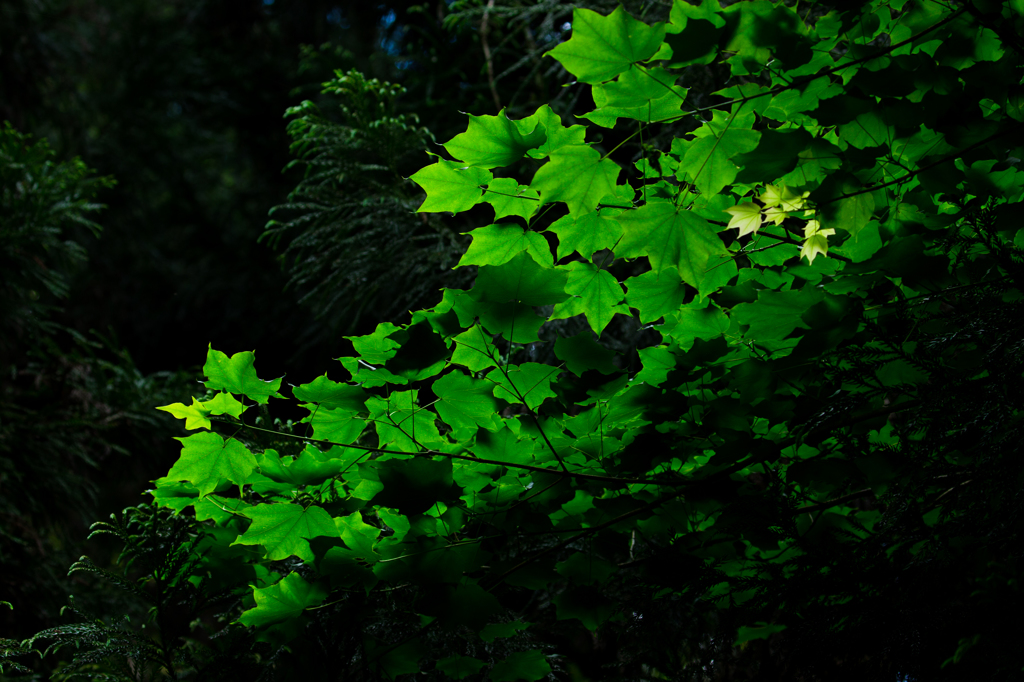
821 437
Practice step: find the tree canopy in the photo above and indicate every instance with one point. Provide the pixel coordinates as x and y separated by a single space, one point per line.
747 400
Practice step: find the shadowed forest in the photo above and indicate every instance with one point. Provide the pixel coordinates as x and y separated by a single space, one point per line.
513 339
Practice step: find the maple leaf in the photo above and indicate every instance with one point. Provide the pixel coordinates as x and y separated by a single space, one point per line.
237 374
283 601
775 214
603 47
451 186
284 529
784 197
207 460
815 240
746 217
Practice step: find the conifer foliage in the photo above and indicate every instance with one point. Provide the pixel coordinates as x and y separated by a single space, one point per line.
824 433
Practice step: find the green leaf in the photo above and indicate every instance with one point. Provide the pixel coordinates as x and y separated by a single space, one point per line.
776 313
311 466
498 244
655 294
746 217
520 279
812 163
695 32
815 241
509 198
693 322
451 186
578 176
603 47
558 136
657 362
641 94
515 321
377 348
401 424
474 350
707 159
359 536
464 403
332 395
523 665
843 204
595 293
237 374
670 237
194 415
334 426
458 667
867 130
588 233
207 460
284 529
581 353
528 383
219 509
285 600
493 141
173 494
900 372
504 446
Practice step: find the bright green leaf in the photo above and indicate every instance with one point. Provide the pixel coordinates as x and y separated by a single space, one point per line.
815 241
642 94
509 198
284 529
237 374
588 233
670 237
474 350
603 47
334 426
401 423
498 244
558 136
595 293
493 141
576 175
707 159
450 186
207 460
331 394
